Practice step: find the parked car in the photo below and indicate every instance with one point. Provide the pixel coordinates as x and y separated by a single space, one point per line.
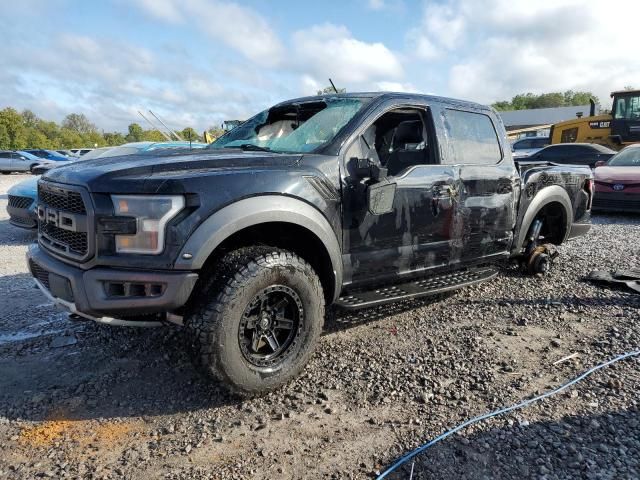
528 146
574 154
350 199
81 151
47 154
68 153
19 161
618 182
21 204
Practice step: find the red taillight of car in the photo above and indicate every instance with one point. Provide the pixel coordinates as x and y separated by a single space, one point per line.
589 187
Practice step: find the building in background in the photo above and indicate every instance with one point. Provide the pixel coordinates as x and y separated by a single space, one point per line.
537 122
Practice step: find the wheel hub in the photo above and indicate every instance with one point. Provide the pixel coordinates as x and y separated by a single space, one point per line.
270 325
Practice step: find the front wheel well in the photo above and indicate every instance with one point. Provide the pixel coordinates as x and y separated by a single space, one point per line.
286 236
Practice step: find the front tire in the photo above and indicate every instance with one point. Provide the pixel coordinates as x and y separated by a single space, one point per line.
258 320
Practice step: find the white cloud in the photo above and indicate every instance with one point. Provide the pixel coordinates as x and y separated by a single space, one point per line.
239 27
492 49
330 51
441 29
396 87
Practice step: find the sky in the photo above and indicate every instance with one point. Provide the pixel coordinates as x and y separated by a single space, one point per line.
199 62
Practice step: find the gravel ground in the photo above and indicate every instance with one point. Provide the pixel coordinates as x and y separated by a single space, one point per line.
80 400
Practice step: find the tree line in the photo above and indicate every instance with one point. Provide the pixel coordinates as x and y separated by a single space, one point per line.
526 101
20 130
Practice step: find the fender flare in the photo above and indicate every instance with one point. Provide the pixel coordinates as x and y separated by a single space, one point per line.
254 211
547 195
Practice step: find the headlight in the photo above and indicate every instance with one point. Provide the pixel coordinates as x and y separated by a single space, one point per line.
152 212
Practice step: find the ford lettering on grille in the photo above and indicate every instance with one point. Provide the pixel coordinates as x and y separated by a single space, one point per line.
63 223
63 220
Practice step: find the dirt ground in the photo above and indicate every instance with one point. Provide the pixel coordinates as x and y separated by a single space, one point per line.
81 400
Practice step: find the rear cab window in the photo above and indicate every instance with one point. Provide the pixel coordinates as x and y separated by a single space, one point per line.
472 138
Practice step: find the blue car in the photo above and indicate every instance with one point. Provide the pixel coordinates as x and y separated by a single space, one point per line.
23 195
22 203
47 154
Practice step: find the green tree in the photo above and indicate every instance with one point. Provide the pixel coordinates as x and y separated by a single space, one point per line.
93 139
5 139
51 130
190 135
14 125
30 119
70 138
524 101
37 139
136 133
114 139
79 123
329 90
153 136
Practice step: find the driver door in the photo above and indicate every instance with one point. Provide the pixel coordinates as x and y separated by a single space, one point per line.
416 234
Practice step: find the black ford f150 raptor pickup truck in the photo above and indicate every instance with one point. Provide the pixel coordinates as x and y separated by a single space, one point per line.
347 199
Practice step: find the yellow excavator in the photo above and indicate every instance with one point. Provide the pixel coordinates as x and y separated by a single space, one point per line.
615 130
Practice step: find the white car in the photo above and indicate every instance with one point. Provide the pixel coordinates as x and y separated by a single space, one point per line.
20 161
526 147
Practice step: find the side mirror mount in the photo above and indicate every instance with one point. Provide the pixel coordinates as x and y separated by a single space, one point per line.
364 168
601 163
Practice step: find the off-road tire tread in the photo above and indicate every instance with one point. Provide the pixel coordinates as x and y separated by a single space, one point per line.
229 275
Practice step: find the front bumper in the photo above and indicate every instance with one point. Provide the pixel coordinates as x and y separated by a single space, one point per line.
23 217
109 293
616 202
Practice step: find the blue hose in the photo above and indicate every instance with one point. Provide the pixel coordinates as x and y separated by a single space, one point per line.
479 418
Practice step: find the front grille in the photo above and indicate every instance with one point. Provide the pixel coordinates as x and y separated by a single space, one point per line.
40 273
75 241
61 199
63 223
20 202
616 202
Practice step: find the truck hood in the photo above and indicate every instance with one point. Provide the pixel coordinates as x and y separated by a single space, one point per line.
157 172
617 174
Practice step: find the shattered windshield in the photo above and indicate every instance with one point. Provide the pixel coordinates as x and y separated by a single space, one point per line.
626 158
293 128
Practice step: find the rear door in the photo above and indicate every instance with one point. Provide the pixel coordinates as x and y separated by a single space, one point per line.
489 185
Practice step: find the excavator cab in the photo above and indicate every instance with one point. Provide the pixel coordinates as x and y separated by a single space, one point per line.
625 113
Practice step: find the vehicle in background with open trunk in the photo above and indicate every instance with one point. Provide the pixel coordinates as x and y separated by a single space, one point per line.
351 200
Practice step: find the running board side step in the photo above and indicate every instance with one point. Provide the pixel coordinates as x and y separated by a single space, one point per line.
416 288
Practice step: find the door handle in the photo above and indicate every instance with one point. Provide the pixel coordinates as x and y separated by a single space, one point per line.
443 191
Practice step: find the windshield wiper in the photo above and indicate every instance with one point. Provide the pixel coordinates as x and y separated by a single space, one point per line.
250 147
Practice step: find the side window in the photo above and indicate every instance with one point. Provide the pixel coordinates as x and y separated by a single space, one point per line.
522 144
473 138
397 140
540 142
569 135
